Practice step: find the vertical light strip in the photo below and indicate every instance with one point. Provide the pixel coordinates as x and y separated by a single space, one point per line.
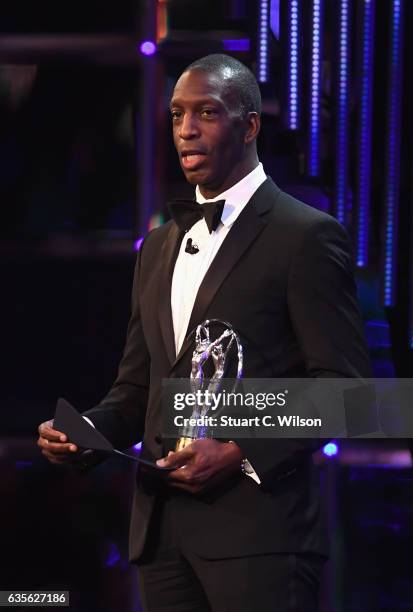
315 91
161 20
392 172
294 65
411 255
275 18
147 148
263 41
364 135
341 178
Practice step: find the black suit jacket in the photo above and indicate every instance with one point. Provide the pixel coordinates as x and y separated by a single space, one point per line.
284 279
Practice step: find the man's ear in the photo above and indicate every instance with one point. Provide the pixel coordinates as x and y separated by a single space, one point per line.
253 127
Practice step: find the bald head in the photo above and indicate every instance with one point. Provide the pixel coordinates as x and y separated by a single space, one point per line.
215 120
238 81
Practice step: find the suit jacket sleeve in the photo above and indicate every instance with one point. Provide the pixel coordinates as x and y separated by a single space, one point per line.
120 416
324 313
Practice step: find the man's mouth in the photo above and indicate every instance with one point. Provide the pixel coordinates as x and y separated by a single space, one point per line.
193 160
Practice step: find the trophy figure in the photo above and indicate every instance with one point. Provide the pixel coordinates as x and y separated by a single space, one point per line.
217 353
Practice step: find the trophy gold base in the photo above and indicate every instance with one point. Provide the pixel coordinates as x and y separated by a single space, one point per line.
182 443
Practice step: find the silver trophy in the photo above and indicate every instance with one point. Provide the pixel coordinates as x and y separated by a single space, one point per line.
216 353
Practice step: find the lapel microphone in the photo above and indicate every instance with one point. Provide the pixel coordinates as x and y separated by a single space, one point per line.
190 248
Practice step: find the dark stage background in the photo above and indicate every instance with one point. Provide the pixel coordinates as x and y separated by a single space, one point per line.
86 167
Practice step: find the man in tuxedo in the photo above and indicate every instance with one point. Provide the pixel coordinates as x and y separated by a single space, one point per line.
236 525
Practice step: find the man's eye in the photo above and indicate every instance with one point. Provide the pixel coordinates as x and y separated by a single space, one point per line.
176 114
208 112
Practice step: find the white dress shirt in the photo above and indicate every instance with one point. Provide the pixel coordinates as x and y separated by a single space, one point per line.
190 269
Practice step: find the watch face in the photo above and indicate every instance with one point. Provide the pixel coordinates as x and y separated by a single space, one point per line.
246 467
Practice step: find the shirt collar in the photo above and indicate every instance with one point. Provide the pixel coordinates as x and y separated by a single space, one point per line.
237 196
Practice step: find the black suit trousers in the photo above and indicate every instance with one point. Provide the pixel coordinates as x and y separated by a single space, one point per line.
175 579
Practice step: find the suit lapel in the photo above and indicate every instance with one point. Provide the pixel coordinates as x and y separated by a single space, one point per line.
169 253
245 230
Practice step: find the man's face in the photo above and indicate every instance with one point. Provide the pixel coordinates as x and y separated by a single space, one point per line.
208 131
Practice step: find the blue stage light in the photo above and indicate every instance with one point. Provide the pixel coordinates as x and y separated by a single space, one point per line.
315 91
393 154
236 44
275 18
340 194
263 42
363 186
294 66
330 449
148 47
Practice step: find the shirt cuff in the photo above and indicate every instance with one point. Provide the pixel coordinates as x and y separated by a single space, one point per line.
249 471
89 421
247 468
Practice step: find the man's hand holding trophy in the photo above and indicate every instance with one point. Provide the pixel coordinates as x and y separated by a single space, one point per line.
202 462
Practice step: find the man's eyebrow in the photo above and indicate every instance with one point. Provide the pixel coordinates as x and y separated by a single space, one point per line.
199 102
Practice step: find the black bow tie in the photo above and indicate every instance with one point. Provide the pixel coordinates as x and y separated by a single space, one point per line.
186 213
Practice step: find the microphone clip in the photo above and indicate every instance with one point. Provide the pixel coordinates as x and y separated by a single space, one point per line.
190 248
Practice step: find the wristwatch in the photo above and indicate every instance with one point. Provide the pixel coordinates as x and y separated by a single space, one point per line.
246 467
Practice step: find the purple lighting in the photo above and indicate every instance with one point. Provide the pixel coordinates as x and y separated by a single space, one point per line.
148 47
294 61
330 449
137 244
343 105
314 132
263 41
393 138
363 187
236 44
113 555
275 18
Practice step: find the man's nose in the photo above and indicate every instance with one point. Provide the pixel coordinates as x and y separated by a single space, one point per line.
189 127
